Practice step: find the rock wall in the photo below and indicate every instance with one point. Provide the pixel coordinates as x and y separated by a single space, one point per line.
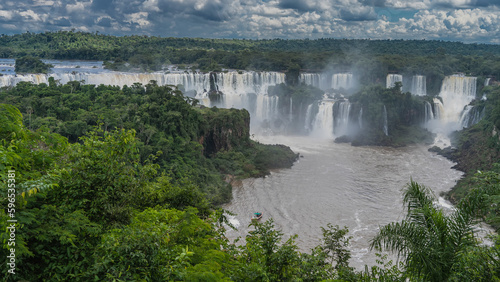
224 129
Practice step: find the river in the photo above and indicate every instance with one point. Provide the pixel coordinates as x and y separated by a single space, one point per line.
357 187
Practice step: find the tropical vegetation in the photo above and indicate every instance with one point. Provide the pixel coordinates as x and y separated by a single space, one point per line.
125 183
370 59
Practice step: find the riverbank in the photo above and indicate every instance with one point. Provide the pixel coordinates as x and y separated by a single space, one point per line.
475 150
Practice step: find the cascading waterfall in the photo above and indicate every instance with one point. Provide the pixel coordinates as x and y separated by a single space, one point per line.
313 79
323 122
12 80
198 82
487 81
342 80
392 79
471 115
325 81
240 90
386 126
290 114
360 118
308 120
418 85
429 115
457 91
237 87
341 116
267 107
438 108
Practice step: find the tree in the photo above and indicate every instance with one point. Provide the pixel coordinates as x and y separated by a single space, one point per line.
429 241
30 64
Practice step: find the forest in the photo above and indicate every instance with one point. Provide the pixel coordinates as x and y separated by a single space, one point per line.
125 183
370 59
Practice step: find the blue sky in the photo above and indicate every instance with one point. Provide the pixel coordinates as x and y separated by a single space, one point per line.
456 20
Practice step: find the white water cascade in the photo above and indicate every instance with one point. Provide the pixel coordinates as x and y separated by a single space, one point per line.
360 118
438 108
198 82
315 79
342 81
341 117
487 81
471 116
266 108
324 81
429 115
386 126
323 122
240 90
392 79
457 91
418 85
308 117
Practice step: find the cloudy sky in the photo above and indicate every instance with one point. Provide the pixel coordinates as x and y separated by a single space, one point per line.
455 20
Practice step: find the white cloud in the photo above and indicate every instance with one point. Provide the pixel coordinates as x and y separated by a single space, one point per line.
30 14
10 26
5 15
140 18
43 3
151 6
432 19
78 7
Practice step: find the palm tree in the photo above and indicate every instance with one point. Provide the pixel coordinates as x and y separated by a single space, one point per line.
428 240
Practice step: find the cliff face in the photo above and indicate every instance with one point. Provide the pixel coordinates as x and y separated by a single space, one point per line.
224 129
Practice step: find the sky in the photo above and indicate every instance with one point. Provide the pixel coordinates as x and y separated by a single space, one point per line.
451 20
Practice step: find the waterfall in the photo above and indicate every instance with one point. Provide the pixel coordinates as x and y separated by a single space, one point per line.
341 116
240 90
386 126
323 122
471 115
308 117
392 79
190 81
290 114
487 81
342 80
313 79
429 115
325 81
360 118
438 108
236 87
266 108
457 91
418 85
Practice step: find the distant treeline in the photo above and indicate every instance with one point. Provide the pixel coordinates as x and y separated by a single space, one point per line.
148 53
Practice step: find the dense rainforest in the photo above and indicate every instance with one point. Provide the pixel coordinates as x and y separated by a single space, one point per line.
370 59
125 183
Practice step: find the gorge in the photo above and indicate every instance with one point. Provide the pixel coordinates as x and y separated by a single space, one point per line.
332 183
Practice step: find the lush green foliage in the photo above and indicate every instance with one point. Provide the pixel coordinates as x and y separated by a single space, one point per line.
433 244
477 152
184 139
31 65
94 211
370 59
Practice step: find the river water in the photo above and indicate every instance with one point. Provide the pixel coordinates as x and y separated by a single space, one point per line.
357 187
